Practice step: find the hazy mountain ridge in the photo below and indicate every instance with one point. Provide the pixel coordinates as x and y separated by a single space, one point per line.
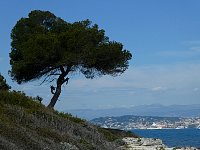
142 110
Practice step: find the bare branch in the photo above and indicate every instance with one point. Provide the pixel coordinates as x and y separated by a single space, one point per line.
55 74
52 80
65 80
45 79
62 69
68 69
52 89
48 77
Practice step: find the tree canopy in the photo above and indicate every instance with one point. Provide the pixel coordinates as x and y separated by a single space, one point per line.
44 45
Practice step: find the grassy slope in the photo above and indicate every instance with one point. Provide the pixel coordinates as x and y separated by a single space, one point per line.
26 124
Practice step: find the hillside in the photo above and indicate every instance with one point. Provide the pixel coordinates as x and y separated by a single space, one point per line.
25 124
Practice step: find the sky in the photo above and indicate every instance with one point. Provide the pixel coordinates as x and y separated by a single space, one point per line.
163 36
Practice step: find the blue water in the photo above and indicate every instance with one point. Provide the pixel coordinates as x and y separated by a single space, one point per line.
173 137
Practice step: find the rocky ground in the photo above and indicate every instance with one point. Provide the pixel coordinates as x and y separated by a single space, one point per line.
149 144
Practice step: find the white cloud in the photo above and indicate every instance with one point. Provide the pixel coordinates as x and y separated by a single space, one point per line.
196 89
159 88
154 77
195 49
131 92
147 84
165 84
192 48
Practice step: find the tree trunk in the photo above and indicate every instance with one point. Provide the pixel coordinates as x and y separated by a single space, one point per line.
60 81
56 95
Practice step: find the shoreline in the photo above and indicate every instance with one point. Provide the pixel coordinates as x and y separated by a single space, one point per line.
173 137
165 129
149 144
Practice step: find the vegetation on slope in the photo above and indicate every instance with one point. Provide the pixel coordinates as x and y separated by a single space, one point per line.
3 85
26 124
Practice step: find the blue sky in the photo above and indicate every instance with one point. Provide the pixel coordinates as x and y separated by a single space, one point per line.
163 36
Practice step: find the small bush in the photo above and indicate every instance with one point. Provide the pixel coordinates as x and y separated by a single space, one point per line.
18 98
3 85
70 117
107 134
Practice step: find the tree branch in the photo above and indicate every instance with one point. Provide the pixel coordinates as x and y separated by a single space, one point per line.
65 80
48 77
62 69
68 69
45 79
55 74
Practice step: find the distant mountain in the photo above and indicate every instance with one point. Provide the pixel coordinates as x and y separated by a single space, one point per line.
142 110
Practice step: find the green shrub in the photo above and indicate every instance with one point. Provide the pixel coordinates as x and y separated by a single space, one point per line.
107 134
3 85
70 117
18 98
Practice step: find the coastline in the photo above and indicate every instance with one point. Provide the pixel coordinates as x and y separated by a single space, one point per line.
173 137
149 144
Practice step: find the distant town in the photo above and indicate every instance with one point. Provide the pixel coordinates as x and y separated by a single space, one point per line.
130 122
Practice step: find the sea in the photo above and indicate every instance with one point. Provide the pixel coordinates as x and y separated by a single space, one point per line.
173 137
